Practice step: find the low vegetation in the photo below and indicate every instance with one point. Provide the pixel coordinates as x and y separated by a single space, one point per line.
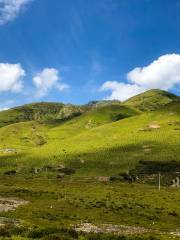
96 165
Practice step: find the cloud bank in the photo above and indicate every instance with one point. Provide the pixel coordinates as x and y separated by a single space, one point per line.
11 77
10 9
163 73
121 91
47 79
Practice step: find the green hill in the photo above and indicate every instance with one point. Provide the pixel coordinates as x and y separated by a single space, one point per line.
67 121
113 147
109 136
151 100
43 111
97 163
47 112
29 112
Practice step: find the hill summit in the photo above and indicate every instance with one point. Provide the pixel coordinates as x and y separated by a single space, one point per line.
151 100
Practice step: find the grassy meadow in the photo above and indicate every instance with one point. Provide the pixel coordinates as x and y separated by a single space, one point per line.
74 167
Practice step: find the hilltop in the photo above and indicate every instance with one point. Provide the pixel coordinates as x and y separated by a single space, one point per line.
152 100
43 111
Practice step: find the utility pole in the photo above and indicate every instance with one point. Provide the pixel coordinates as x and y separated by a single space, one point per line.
159 181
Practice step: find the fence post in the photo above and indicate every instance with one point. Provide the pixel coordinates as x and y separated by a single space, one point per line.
159 181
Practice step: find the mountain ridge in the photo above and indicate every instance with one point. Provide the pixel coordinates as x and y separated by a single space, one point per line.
46 111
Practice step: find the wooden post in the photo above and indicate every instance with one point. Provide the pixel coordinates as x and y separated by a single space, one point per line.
159 181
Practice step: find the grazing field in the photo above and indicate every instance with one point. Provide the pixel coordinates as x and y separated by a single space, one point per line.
58 204
92 167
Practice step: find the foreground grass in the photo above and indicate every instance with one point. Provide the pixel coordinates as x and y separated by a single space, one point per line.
55 202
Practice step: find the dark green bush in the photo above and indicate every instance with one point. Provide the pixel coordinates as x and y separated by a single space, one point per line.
4 232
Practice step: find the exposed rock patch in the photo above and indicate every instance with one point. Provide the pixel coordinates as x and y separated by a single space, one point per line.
150 127
8 204
176 233
110 228
154 126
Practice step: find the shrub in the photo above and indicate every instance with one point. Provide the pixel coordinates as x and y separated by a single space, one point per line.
4 232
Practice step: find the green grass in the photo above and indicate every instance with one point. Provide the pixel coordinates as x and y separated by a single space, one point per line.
106 139
151 100
34 111
106 149
55 203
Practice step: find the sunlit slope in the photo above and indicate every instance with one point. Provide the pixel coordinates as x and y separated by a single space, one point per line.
23 135
97 116
130 131
151 100
117 146
106 139
35 133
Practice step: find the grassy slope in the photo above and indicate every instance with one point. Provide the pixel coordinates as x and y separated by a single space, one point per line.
97 116
106 149
117 146
94 145
151 100
34 111
23 133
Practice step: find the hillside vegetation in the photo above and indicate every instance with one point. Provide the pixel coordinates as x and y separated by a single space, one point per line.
104 130
109 137
151 100
102 158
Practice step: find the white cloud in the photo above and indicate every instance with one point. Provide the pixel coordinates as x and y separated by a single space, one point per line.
9 9
121 91
47 79
11 76
163 73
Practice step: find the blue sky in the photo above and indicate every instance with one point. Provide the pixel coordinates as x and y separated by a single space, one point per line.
80 50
